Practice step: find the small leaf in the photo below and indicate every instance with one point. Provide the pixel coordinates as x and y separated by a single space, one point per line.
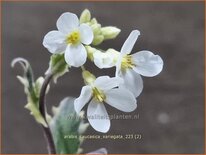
38 84
28 73
66 123
31 88
34 110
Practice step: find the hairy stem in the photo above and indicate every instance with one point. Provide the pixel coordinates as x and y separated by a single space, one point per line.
42 108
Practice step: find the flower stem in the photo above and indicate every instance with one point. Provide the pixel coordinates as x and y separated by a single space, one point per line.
42 108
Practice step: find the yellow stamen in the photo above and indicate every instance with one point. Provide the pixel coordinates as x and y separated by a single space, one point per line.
98 95
73 38
127 62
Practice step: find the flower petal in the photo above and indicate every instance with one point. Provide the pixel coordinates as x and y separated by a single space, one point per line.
86 34
107 83
54 41
132 82
147 64
83 99
129 43
98 116
75 55
118 66
101 60
122 99
67 22
106 59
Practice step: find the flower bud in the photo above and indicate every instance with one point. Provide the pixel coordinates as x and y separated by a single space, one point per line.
94 21
96 29
98 39
85 16
110 32
88 77
57 66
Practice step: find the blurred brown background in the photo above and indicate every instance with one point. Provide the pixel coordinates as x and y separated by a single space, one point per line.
171 106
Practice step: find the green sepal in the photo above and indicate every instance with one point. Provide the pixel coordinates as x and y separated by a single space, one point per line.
57 66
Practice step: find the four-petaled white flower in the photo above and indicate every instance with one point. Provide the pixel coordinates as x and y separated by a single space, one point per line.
69 38
130 67
104 90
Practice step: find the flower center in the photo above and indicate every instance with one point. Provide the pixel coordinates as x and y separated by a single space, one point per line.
73 38
127 62
98 94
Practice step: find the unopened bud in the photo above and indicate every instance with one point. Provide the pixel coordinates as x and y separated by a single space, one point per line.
110 32
96 29
85 16
98 39
94 21
88 77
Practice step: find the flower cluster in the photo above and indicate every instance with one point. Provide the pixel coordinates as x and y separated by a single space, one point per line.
76 40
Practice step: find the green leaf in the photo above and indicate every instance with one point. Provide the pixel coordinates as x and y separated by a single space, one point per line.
66 123
31 89
57 66
34 110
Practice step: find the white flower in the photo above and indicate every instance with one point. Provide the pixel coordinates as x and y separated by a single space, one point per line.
130 67
104 90
69 38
